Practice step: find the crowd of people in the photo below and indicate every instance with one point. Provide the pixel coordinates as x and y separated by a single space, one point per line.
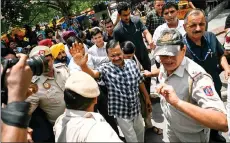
99 80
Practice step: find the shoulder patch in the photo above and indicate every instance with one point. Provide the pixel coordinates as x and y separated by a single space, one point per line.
208 91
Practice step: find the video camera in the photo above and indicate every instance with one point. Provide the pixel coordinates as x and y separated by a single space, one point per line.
38 65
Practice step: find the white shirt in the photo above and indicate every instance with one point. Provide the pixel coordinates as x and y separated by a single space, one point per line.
160 28
73 67
93 62
82 126
68 53
100 52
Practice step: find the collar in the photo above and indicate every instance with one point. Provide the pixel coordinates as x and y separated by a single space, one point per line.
78 113
130 22
156 13
103 45
194 44
125 63
74 113
180 24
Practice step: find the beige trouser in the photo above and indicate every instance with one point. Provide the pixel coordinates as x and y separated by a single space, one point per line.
133 129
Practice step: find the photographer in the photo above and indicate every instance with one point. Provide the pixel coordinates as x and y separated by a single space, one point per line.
16 130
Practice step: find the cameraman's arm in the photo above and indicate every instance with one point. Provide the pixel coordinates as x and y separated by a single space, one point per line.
17 80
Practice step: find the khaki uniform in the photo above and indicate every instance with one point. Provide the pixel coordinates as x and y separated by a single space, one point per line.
180 127
82 126
50 95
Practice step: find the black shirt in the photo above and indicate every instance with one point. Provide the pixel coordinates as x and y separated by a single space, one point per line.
133 32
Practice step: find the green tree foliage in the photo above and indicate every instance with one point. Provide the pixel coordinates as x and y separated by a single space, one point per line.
15 12
20 12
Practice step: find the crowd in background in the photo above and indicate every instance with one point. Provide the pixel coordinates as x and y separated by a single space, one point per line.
65 101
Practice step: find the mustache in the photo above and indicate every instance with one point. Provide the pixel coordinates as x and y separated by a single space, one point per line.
196 32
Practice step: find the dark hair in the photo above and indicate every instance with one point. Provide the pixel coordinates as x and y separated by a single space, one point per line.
95 31
108 20
75 101
48 31
71 40
80 34
128 47
169 5
122 6
111 44
7 51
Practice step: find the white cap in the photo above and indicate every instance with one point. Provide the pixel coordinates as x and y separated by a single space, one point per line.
83 84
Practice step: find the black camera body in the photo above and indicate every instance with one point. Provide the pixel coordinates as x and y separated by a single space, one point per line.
38 65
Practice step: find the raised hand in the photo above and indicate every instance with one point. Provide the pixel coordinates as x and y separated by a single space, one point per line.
78 53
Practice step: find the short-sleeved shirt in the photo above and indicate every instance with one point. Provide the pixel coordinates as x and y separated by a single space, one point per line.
123 88
198 54
82 126
203 94
133 32
153 21
50 99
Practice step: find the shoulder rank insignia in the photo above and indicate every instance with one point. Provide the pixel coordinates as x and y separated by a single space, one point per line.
208 90
197 76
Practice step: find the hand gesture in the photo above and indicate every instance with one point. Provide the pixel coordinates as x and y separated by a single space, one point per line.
78 52
169 93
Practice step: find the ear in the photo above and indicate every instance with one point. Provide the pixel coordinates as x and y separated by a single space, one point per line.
184 49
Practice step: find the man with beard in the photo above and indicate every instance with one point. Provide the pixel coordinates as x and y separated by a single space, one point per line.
58 53
47 104
205 49
50 86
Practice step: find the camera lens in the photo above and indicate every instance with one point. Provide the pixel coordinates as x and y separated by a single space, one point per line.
38 65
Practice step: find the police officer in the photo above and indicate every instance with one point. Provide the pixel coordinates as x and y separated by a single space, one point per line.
204 49
80 123
49 96
188 98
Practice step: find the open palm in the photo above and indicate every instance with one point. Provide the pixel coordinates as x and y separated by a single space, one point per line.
80 58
